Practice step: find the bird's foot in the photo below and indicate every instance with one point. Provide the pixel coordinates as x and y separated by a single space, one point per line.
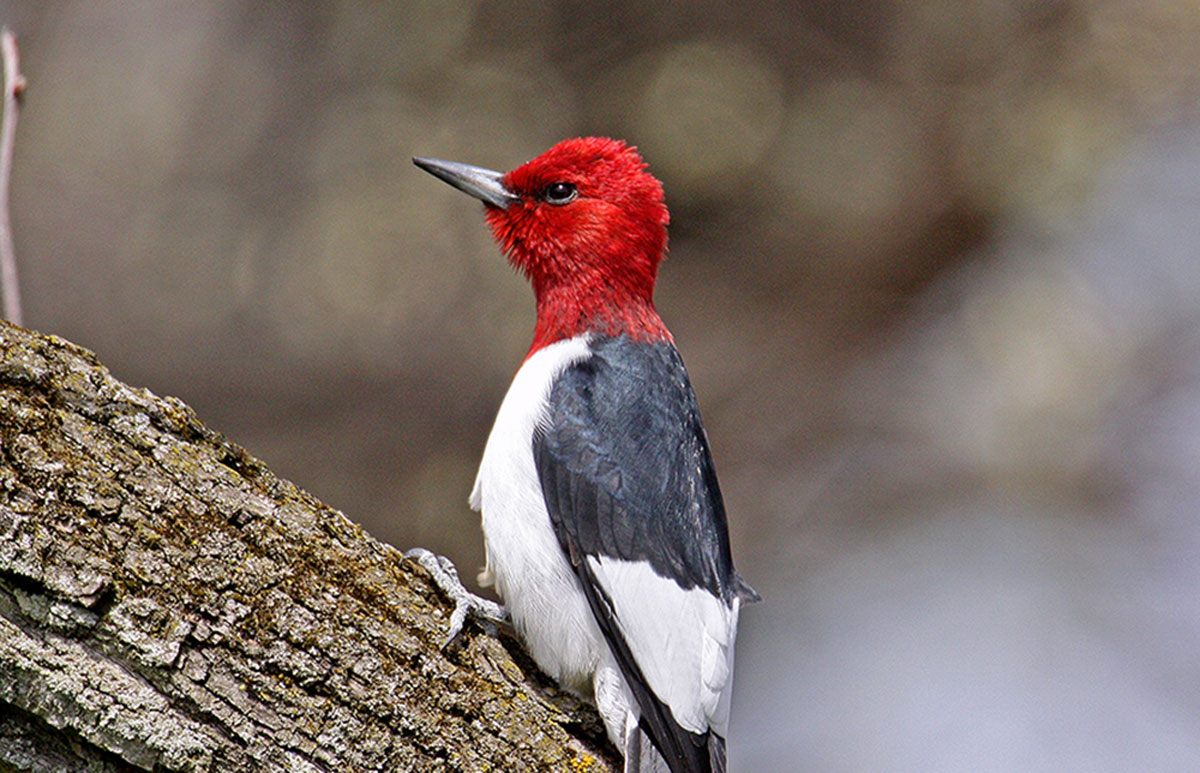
445 576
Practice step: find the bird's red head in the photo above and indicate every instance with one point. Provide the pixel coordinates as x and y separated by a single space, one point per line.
586 223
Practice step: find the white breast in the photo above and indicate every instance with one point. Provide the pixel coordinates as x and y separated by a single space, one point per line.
531 572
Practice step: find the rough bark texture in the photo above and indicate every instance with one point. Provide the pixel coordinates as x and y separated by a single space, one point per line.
167 603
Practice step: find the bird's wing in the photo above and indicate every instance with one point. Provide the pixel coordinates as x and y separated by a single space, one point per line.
629 485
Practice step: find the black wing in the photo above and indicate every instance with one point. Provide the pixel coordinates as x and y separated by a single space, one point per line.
626 473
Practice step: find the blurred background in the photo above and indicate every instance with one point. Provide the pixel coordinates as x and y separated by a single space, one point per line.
935 270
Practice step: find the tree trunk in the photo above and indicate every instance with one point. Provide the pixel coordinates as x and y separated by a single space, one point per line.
168 603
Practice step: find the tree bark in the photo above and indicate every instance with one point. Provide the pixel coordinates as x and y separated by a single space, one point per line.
168 603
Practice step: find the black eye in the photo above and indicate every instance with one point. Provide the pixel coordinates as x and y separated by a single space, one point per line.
560 193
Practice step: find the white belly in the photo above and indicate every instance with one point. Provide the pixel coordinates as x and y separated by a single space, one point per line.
531 572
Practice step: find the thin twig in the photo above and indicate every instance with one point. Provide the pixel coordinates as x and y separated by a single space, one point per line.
14 85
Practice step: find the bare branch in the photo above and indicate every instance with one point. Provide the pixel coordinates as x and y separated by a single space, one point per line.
14 85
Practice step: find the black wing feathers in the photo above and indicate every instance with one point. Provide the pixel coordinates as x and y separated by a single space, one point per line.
626 469
626 472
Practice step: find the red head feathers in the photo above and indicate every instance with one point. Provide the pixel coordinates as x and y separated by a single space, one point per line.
586 223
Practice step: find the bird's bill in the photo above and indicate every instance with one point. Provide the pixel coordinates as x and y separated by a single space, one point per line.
483 184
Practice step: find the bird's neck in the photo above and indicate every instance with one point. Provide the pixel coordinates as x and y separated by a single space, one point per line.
567 310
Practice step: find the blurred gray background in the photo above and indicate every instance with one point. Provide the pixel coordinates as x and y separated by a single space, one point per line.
935 269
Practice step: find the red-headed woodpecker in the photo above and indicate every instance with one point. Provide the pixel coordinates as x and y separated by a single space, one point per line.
602 518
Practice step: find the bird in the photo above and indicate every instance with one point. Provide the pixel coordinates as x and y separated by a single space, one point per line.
604 527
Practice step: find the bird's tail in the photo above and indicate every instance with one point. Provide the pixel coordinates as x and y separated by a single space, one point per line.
641 756
716 752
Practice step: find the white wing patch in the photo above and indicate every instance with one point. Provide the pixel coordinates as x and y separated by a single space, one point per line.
681 639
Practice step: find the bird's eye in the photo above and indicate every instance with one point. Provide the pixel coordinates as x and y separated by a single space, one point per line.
560 193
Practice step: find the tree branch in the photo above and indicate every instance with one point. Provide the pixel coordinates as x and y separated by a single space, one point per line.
14 87
168 603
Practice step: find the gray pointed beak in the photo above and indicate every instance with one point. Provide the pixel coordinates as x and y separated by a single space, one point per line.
483 184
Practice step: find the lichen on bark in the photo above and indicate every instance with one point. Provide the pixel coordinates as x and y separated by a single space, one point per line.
168 603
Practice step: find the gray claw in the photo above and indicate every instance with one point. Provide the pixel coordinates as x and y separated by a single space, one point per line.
445 576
